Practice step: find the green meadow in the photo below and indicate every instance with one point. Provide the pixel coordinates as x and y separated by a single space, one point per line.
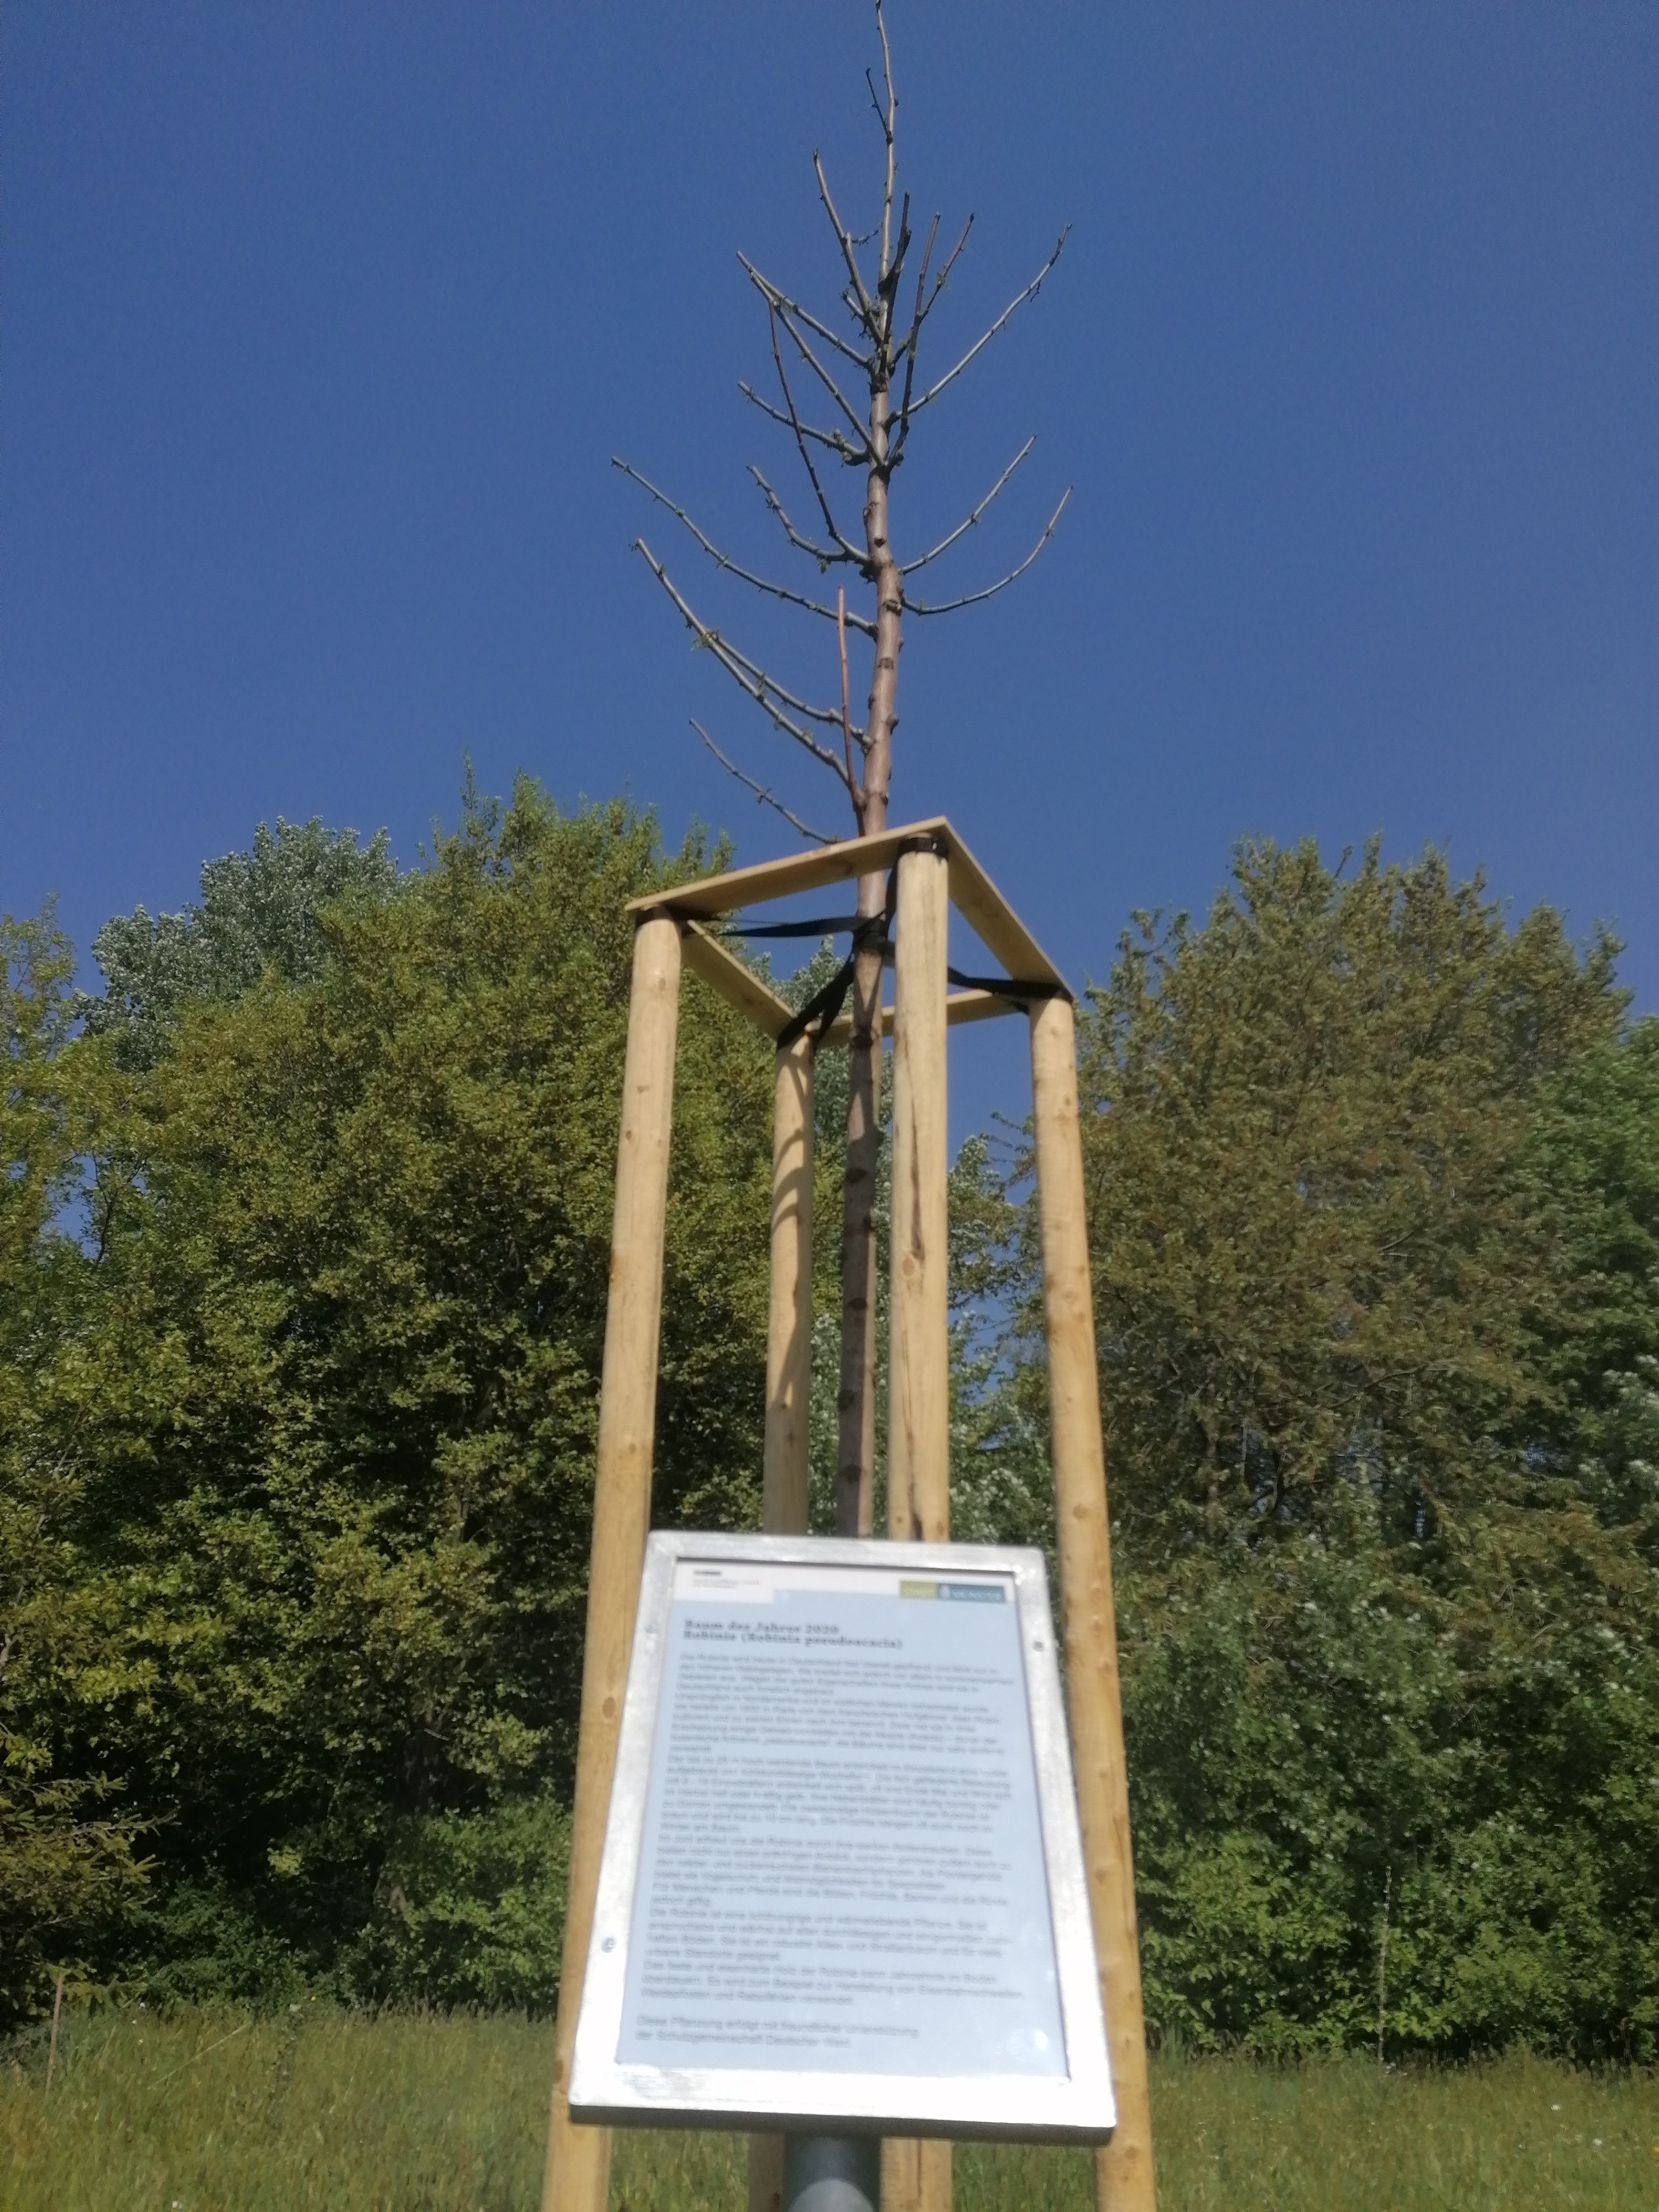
219 2112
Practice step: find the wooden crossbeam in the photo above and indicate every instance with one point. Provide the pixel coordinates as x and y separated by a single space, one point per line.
796 871
973 894
989 915
960 1007
741 987
738 985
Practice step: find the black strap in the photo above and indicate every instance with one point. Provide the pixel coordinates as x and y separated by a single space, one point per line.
821 924
1004 986
868 933
827 1004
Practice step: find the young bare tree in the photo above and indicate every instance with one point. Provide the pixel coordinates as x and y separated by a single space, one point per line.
809 354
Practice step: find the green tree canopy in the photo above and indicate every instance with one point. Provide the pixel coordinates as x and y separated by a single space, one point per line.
1372 1199
323 1422
69 1873
303 1252
260 909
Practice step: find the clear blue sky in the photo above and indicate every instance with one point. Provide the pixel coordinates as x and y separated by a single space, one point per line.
319 325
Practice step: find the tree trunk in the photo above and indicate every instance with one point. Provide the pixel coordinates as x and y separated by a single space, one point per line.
856 1402
856 1454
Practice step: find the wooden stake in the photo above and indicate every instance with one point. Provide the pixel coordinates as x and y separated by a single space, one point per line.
919 1364
789 1311
57 2014
915 2176
579 2159
766 2174
1123 2169
788 1382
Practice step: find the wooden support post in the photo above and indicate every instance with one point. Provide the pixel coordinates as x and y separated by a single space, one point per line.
788 1384
766 2174
579 2159
1123 2169
915 2176
789 1312
919 1345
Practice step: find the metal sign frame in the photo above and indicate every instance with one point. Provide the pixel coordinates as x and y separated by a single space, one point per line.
1076 2106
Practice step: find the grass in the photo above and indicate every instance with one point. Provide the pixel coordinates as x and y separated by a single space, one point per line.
221 2112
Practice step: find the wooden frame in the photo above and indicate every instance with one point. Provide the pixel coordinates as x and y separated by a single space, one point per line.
935 871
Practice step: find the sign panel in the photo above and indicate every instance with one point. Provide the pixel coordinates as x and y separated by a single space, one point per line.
843 1880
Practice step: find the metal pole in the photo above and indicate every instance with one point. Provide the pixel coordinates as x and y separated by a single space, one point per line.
832 2173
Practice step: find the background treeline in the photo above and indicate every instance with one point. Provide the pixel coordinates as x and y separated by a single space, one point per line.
303 1242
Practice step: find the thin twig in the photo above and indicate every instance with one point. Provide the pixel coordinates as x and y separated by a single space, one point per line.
822 553
846 718
941 279
765 796
721 560
889 125
984 339
202 2052
863 306
817 367
973 599
723 646
57 2014
752 679
835 439
771 294
851 551
889 283
944 545
908 347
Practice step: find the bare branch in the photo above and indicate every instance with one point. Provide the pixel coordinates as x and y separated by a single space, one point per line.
781 315
775 298
888 123
896 444
909 567
1018 300
768 695
851 552
973 599
889 283
863 306
835 439
765 796
908 344
721 560
823 555
940 282
946 266
900 436
846 718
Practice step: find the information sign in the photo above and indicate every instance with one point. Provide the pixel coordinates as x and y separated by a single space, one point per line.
843 1882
